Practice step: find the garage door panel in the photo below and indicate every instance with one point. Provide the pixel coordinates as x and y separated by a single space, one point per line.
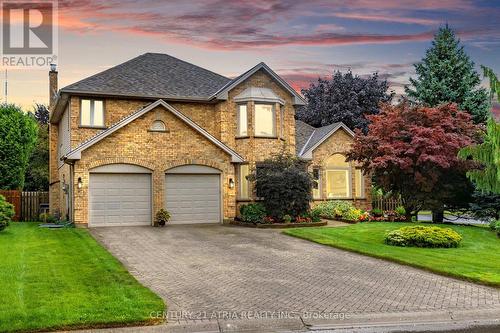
193 198
120 199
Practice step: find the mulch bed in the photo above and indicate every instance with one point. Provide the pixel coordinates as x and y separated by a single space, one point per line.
279 225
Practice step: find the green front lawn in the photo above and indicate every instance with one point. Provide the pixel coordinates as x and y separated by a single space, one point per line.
476 259
62 278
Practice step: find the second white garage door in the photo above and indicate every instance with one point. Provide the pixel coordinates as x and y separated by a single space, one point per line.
119 199
193 198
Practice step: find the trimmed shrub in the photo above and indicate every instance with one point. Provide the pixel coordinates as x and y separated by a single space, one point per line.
423 236
47 218
253 213
334 209
162 217
315 215
6 213
400 210
377 212
284 185
493 225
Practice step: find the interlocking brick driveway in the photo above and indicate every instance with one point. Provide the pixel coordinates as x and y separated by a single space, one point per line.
221 268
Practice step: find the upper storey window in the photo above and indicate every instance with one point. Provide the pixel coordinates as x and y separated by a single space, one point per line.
265 120
263 113
242 120
92 113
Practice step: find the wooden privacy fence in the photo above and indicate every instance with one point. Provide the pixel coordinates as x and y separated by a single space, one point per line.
389 203
28 205
14 197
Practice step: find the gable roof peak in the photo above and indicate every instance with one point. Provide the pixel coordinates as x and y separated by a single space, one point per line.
316 137
223 93
75 154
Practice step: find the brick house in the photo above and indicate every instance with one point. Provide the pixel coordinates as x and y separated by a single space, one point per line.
157 132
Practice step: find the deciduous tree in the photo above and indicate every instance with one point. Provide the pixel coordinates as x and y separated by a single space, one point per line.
345 97
412 151
37 173
18 135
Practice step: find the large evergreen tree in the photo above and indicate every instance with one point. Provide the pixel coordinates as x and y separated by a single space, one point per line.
446 74
345 97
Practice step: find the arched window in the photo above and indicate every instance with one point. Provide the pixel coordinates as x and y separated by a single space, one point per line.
158 126
338 177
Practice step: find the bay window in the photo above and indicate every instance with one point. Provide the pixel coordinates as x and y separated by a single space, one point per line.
338 177
264 120
91 113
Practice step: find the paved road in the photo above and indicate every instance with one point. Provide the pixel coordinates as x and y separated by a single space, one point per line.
220 268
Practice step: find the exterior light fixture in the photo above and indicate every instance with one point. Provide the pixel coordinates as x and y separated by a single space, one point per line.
80 184
231 183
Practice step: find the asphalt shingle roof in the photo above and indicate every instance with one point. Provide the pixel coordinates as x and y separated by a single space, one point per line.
307 136
303 132
153 75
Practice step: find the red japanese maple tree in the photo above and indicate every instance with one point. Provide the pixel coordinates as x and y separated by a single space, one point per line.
412 151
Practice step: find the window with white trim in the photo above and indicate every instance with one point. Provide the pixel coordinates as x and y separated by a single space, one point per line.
242 120
282 121
359 183
316 175
338 177
264 120
243 182
92 113
158 126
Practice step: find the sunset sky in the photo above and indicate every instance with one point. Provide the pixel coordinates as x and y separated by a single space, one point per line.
300 40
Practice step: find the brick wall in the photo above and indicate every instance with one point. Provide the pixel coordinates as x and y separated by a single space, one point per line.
339 143
156 151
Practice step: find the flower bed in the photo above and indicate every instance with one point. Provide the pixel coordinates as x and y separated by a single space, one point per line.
279 225
344 211
255 215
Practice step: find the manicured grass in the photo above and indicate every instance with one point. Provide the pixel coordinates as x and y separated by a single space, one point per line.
476 259
62 278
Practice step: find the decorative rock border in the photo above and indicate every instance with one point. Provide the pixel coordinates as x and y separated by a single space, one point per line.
279 225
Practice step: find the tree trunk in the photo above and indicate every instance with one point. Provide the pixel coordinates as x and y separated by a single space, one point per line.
438 216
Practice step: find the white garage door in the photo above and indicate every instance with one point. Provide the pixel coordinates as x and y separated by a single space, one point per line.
193 198
120 199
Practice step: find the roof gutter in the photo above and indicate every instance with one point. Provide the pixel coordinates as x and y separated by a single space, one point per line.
59 105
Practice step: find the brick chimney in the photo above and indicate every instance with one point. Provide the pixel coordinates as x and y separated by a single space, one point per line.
52 83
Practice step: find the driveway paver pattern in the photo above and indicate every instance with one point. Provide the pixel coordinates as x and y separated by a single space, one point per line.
215 269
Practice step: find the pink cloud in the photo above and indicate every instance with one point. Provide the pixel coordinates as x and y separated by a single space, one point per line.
222 25
388 18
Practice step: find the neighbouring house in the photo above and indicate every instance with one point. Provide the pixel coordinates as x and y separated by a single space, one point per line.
158 132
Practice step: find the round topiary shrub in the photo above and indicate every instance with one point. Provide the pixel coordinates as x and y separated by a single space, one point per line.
423 236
